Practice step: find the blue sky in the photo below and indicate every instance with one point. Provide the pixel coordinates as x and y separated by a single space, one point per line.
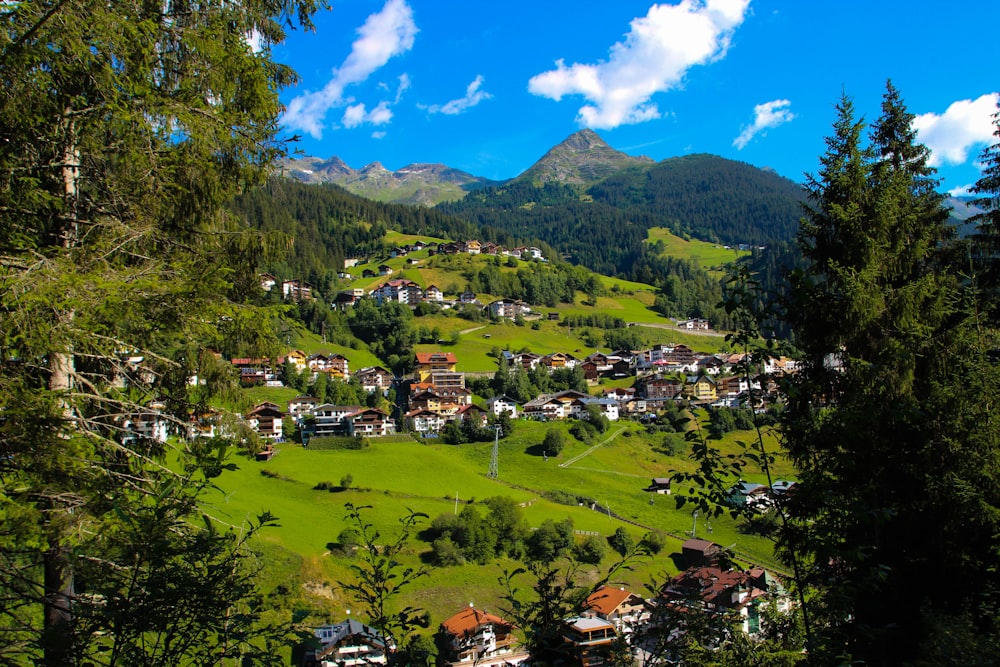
489 87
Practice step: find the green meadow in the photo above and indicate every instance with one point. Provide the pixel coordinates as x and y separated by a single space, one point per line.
712 256
402 475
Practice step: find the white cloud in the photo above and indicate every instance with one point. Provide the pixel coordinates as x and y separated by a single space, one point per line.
384 35
473 96
766 115
965 125
378 135
653 58
357 114
404 85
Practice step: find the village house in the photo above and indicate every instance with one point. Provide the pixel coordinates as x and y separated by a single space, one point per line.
622 608
429 362
347 644
501 404
474 637
331 420
296 290
424 421
267 281
401 290
508 308
374 378
700 388
300 406
695 323
370 422
715 589
589 640
297 358
334 365
265 419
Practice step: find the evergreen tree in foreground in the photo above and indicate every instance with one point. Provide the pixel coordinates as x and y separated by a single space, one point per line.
891 419
124 128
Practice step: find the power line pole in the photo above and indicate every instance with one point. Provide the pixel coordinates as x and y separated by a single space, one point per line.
495 457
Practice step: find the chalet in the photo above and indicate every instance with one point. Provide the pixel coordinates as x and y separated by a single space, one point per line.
369 273
508 308
782 487
331 419
749 494
715 589
526 360
348 644
267 281
468 297
151 425
399 290
302 405
501 404
659 485
653 387
474 637
433 293
472 412
558 360
384 270
374 378
370 422
701 388
253 371
695 323
266 420
428 399
607 406
297 358
430 362
545 408
623 609
425 421
696 552
334 365
710 365
296 291
473 247
589 639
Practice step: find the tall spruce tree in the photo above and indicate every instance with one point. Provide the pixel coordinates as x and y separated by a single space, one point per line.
124 128
890 420
986 240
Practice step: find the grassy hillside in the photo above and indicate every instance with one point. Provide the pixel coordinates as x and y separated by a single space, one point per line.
711 256
400 476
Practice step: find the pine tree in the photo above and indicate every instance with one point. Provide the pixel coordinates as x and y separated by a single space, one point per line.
986 241
124 128
894 442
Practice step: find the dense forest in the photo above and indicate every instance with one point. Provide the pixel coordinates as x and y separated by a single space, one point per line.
604 227
323 224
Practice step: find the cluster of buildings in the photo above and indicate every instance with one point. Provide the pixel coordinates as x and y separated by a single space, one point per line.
610 614
436 393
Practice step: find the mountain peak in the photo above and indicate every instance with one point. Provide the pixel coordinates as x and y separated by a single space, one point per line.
582 158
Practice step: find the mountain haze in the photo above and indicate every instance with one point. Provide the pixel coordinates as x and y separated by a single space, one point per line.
419 183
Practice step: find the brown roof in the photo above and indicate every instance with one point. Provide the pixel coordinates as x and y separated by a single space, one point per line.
606 599
467 620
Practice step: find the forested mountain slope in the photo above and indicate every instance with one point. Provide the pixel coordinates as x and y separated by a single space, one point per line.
605 225
324 224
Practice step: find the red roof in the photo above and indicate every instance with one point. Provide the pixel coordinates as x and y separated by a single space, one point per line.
468 620
436 358
606 599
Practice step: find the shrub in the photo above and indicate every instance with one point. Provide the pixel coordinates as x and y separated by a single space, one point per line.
590 551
